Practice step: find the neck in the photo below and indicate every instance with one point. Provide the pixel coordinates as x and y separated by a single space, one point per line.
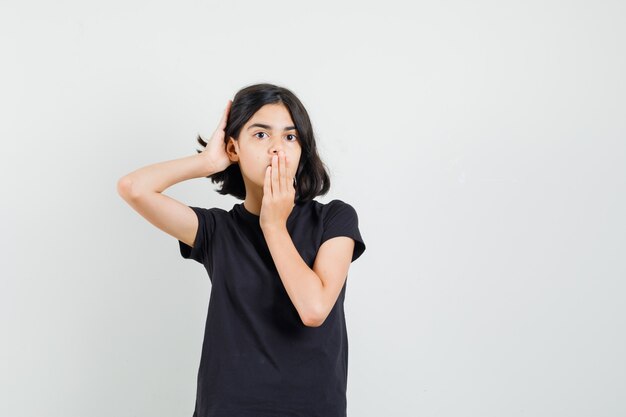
254 196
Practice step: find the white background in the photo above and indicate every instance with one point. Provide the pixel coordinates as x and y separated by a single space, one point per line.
482 144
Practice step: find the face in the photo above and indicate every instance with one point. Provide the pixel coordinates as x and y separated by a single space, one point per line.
268 131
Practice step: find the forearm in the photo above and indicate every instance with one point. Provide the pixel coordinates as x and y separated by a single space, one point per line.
162 175
304 287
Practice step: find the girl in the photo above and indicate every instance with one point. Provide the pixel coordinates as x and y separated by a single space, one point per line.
275 341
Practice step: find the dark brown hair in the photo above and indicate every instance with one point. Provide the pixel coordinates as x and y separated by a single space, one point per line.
312 179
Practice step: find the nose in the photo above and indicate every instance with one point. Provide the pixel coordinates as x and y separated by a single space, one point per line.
275 149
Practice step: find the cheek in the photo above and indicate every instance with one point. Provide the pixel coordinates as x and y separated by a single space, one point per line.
252 167
293 163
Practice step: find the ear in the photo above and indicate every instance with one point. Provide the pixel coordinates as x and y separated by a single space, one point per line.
232 149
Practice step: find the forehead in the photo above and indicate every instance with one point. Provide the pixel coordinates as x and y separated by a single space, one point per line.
276 115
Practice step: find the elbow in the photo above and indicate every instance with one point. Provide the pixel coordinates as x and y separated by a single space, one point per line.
315 319
124 187
312 322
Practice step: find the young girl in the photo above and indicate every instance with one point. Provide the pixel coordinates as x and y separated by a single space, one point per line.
275 341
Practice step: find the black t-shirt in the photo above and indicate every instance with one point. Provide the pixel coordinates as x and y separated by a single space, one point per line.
258 357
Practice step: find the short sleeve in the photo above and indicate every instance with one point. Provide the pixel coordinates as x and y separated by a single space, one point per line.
341 219
206 226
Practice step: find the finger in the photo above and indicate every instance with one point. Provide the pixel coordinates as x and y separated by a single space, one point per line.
282 171
291 187
267 188
275 185
293 182
225 115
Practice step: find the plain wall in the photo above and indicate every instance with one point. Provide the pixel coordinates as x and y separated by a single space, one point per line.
482 144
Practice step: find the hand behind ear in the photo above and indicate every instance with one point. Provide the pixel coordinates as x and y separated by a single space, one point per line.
215 150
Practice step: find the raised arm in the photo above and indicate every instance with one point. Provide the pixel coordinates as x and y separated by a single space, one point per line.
142 189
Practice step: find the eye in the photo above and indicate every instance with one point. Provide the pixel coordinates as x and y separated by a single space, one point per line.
295 137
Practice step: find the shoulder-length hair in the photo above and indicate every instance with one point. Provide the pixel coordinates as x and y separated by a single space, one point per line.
312 179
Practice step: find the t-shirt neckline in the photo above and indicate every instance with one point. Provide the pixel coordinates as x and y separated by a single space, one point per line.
251 216
245 211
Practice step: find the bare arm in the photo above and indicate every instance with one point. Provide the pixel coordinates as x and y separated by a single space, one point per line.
142 189
158 177
313 291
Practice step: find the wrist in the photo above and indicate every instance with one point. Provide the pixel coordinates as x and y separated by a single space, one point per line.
207 165
273 228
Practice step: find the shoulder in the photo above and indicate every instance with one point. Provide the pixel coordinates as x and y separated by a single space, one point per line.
209 217
330 206
335 211
215 210
212 211
339 218
337 206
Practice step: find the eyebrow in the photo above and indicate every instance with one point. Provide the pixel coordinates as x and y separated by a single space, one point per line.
264 126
